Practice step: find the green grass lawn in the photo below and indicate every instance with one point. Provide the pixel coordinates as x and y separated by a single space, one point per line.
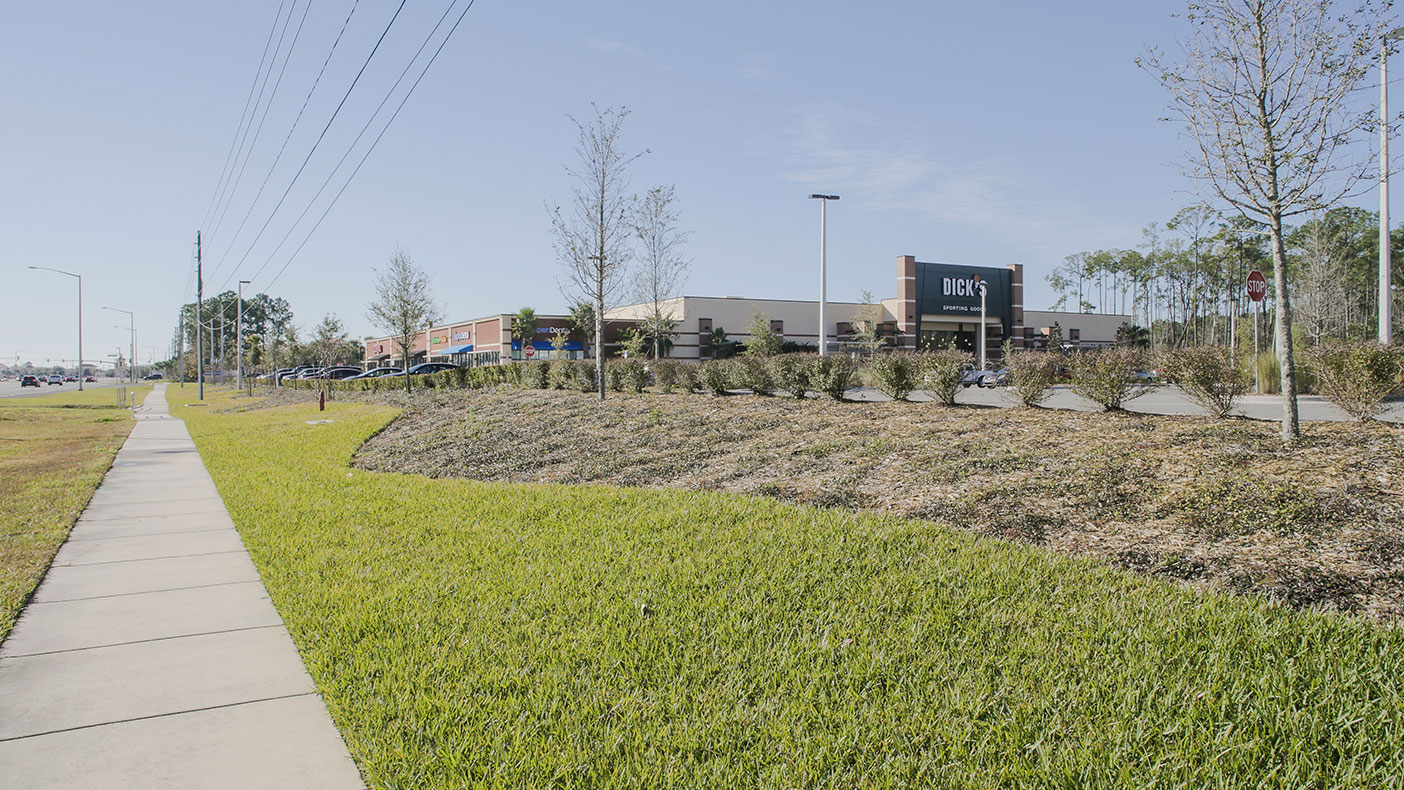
493 635
54 450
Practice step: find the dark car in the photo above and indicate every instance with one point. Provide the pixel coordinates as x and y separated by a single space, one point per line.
29 381
339 372
152 377
425 368
375 373
90 379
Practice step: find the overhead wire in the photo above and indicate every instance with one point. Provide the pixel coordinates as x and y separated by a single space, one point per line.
219 222
369 122
283 148
376 141
238 129
320 137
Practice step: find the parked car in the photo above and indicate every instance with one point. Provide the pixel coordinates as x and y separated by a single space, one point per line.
425 368
291 373
29 381
56 380
339 372
309 373
375 373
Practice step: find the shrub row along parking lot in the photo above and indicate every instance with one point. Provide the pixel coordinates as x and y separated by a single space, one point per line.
1217 503
477 634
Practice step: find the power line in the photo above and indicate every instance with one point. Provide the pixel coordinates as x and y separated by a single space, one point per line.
373 144
320 137
219 185
296 120
266 107
369 122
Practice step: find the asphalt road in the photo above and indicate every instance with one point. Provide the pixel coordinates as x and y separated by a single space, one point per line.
12 388
1159 400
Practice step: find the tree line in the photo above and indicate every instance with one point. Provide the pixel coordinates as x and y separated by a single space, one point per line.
271 338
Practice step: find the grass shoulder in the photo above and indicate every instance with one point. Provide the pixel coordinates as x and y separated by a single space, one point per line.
469 633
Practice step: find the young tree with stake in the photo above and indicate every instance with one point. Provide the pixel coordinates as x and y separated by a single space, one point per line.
592 239
1266 93
404 304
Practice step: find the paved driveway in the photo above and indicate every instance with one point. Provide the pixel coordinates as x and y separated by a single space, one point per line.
1166 399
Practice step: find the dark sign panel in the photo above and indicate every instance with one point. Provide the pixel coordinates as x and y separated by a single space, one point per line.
947 290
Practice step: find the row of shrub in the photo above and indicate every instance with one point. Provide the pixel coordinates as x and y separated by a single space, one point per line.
1357 377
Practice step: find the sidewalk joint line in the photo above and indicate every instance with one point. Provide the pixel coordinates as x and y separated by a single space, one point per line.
148 534
157 716
143 559
279 624
143 592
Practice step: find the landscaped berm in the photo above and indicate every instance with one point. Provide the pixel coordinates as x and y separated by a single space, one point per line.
472 633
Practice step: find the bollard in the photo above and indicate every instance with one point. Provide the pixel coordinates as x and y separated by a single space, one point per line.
322 401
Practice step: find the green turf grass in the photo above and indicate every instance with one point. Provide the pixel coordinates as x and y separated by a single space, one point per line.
490 635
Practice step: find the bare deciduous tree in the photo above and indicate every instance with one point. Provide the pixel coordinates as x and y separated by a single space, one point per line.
1320 284
1265 93
404 304
662 268
592 239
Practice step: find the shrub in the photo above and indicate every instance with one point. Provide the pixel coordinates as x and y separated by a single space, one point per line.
583 375
763 341
561 375
941 373
752 373
832 374
535 374
1032 374
687 376
1358 377
665 374
1209 375
1107 376
715 376
631 373
790 372
896 373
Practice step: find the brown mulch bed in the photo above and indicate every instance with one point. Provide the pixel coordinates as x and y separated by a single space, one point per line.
1219 504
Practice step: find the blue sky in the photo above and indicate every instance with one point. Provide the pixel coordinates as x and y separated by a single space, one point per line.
980 133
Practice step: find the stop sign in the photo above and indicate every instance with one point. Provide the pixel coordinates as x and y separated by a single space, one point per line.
1257 285
528 350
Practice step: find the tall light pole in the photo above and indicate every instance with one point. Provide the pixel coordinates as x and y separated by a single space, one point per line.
980 284
823 272
80 318
1386 299
131 327
239 339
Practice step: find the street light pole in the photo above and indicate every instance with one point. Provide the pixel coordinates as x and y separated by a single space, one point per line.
981 285
239 339
823 271
131 326
80 318
1386 307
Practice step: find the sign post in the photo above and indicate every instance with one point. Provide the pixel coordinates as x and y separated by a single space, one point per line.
1257 289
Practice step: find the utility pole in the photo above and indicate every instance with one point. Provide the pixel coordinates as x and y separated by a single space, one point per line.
199 319
239 338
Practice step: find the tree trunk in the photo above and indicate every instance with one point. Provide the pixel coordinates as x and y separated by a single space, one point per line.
1283 334
599 341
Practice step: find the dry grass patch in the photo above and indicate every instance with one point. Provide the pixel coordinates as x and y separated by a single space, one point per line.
54 450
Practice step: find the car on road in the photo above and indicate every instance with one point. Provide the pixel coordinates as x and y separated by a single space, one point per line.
90 379
70 378
375 373
152 377
29 381
56 380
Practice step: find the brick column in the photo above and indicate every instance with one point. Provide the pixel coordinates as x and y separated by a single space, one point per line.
1016 284
907 319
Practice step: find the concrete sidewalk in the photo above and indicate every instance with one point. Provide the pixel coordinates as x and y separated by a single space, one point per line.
151 655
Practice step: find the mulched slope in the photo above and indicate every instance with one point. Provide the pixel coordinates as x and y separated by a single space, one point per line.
1216 503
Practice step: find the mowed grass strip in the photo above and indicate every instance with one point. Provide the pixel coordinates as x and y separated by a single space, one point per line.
469 634
54 451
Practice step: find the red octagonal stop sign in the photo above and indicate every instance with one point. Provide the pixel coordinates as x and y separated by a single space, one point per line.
1257 285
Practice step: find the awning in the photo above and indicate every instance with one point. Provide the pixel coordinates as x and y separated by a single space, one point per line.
464 349
380 358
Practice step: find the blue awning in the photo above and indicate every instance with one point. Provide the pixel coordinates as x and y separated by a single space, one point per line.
459 349
545 345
